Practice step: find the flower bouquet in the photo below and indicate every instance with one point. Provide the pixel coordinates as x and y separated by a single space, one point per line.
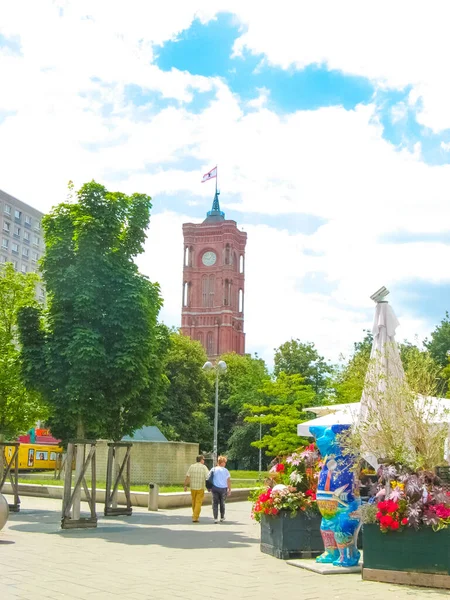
287 509
291 486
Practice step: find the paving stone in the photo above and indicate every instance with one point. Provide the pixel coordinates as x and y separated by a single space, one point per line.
162 555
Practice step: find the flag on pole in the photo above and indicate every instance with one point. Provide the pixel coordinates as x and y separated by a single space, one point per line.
210 175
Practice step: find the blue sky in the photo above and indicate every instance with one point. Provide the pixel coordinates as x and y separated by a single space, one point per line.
332 141
207 49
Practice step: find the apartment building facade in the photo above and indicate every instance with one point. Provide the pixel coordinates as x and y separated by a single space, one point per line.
21 236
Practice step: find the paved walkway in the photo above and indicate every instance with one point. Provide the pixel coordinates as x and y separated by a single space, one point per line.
162 555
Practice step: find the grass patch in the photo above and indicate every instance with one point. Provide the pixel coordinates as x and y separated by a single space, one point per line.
135 488
248 475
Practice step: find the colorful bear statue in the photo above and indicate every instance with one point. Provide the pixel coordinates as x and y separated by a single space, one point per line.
338 499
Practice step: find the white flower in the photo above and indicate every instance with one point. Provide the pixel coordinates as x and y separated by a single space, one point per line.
295 477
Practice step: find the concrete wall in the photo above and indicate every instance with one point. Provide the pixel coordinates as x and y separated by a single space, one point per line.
164 463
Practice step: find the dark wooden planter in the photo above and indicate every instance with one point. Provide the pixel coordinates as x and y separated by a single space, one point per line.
285 537
410 557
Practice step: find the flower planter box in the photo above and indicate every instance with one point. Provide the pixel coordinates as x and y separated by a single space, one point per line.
408 557
285 537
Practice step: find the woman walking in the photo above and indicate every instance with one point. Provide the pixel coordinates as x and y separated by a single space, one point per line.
221 488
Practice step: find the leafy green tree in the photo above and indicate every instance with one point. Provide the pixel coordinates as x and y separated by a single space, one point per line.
19 407
439 345
240 451
439 349
348 381
296 357
95 354
285 404
445 373
238 386
187 412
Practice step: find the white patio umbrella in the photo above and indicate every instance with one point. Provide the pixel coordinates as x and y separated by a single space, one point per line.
385 362
385 370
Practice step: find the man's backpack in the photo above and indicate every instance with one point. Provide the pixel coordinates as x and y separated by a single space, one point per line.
210 480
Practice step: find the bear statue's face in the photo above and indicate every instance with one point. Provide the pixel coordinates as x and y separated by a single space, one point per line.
326 438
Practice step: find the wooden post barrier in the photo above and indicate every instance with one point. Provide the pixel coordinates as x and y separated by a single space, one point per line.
71 496
8 463
116 477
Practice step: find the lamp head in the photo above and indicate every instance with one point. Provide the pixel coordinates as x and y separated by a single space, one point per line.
207 366
222 365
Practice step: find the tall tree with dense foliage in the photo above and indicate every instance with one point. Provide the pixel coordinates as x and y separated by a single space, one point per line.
285 402
95 354
348 380
301 358
238 386
439 348
445 374
187 413
19 408
439 344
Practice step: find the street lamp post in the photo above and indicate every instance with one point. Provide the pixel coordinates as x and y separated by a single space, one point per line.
260 449
221 366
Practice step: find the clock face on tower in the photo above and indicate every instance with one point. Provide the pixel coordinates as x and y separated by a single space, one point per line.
209 259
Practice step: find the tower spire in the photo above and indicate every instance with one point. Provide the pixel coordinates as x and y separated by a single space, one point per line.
215 214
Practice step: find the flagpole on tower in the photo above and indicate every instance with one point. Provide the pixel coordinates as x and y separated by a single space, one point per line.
217 177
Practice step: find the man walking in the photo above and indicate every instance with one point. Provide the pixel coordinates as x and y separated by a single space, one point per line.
196 477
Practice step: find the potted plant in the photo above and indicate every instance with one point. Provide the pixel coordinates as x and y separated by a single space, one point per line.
405 533
405 525
287 509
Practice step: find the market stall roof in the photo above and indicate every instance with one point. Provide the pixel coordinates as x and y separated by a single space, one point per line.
437 410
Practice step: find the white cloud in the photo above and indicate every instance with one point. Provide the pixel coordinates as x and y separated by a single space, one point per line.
329 163
395 44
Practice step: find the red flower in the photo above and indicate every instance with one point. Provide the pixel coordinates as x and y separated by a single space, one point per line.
265 497
392 506
379 515
382 506
395 525
267 511
279 468
274 511
405 521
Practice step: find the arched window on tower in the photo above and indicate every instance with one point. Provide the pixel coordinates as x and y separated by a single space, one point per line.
235 261
205 290
211 290
241 263
200 337
188 256
241 300
186 294
210 343
227 255
228 292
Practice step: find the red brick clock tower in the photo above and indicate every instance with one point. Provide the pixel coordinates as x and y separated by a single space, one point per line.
213 283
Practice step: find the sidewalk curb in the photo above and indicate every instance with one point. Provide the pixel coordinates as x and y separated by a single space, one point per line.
166 500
